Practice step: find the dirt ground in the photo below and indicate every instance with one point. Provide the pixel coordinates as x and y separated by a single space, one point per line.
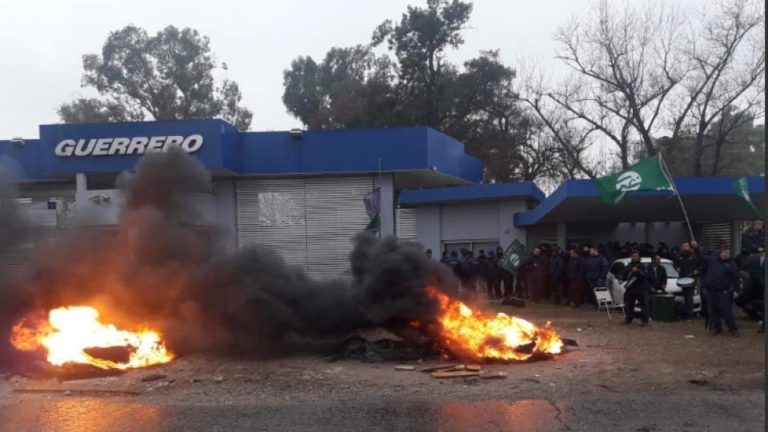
670 376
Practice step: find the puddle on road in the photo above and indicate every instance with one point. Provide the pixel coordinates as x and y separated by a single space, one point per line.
522 415
77 414
81 414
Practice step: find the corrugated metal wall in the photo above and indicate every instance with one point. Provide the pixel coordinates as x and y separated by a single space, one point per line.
310 222
405 223
49 209
711 234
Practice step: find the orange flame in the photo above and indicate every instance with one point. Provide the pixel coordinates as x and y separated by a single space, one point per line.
70 330
477 335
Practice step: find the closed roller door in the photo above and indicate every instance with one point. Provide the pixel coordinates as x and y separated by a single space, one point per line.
49 209
711 234
272 213
405 223
335 213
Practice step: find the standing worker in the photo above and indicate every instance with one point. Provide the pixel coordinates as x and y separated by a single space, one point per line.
636 290
720 275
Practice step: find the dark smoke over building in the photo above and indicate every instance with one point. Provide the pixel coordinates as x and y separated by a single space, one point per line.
162 267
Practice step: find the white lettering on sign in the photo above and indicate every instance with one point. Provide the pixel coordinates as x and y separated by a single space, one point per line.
127 146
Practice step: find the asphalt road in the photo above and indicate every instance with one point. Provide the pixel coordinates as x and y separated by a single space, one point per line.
716 412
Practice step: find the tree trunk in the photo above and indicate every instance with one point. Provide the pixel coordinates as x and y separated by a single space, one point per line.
624 157
698 151
718 156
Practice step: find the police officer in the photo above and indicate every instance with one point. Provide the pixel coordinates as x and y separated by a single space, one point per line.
636 290
720 275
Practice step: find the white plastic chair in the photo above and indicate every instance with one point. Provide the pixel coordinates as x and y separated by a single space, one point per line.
604 300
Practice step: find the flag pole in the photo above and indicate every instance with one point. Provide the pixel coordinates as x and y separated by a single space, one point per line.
665 170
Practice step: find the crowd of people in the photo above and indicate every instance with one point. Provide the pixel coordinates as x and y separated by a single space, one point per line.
568 277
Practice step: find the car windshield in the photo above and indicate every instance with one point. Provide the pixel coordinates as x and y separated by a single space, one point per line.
671 272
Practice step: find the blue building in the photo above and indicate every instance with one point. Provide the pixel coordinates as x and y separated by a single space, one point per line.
301 193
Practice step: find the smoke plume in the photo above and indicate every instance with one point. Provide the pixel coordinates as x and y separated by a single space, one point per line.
162 267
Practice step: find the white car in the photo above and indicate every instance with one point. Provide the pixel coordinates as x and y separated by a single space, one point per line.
616 286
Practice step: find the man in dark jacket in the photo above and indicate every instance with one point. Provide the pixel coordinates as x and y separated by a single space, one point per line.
482 271
636 290
557 276
537 271
658 275
467 269
507 277
494 276
575 276
753 240
455 264
720 275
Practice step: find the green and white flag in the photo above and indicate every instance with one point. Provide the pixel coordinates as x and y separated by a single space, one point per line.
647 175
513 256
742 190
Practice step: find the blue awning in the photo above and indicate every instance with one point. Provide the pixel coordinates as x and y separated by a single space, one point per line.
471 193
706 199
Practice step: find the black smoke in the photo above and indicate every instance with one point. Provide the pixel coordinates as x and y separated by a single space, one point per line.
163 267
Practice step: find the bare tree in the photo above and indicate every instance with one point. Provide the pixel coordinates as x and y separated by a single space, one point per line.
559 126
725 86
625 65
640 75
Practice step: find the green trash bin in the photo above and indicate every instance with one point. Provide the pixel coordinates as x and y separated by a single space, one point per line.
663 308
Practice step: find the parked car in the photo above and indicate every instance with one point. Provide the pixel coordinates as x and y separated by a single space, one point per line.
616 285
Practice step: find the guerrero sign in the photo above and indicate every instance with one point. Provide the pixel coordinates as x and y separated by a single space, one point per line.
127 146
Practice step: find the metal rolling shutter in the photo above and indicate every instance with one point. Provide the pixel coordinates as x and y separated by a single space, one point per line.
50 209
710 234
335 212
272 213
405 223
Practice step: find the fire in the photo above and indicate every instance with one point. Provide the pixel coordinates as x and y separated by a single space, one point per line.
70 331
477 335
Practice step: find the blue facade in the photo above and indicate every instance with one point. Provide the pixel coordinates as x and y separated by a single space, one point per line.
251 153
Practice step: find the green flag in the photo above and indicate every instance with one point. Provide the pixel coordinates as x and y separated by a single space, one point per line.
513 256
373 225
741 189
647 175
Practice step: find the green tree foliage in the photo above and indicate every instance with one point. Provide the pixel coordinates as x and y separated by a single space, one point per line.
739 151
474 102
87 110
168 76
419 42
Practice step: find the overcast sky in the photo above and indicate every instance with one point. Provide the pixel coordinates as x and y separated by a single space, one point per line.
41 43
